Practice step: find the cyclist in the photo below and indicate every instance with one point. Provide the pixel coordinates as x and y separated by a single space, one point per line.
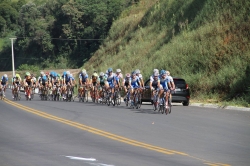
16 83
93 82
165 86
42 81
138 74
4 83
154 84
119 77
73 82
28 82
126 84
135 83
34 80
83 81
103 80
172 85
111 81
152 76
67 80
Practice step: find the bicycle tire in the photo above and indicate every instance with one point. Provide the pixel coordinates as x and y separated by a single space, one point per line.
108 101
170 105
93 96
163 105
114 99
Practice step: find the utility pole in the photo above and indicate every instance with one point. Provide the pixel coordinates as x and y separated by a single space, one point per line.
13 65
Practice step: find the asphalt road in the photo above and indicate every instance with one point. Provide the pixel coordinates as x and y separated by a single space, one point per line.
48 133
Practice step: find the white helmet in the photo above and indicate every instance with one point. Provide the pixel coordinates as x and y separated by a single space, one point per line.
5 75
68 72
101 74
42 73
137 71
118 70
168 73
156 70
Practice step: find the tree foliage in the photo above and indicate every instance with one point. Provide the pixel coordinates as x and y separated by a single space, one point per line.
49 31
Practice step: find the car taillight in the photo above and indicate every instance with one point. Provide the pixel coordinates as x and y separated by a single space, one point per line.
186 86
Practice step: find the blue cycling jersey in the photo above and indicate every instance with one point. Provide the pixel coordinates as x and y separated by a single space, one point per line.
111 79
4 80
164 82
135 82
83 77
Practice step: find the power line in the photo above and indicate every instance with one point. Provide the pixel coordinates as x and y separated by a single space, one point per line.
59 38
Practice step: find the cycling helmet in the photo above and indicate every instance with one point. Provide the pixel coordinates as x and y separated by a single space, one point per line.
42 73
127 75
83 70
133 73
5 75
47 73
156 70
68 72
58 75
118 70
27 73
110 70
102 74
137 71
17 75
168 73
70 75
156 74
95 75
64 73
163 72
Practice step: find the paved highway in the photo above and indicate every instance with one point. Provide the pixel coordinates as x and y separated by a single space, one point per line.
78 134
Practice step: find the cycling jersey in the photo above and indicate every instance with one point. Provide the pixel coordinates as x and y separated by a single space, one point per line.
127 81
4 80
44 79
95 80
155 83
16 80
164 82
111 79
83 78
102 80
67 79
135 82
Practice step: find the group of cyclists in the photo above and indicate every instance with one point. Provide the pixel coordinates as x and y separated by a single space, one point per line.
160 81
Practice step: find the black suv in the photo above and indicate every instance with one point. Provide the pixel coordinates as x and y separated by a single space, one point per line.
181 95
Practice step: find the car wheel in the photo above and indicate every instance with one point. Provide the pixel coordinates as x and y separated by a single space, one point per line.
186 103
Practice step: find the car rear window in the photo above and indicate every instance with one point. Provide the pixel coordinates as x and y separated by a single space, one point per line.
180 83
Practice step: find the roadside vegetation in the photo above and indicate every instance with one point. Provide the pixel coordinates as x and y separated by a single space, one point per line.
204 41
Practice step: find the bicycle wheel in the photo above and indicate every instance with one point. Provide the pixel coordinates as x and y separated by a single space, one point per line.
169 105
139 100
108 99
119 100
114 99
163 105
93 95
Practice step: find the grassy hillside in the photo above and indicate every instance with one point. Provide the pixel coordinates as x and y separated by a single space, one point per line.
204 41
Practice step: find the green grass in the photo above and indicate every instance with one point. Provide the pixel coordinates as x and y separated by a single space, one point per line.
204 41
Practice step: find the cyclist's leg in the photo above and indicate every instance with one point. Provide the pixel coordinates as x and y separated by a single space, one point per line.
166 98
